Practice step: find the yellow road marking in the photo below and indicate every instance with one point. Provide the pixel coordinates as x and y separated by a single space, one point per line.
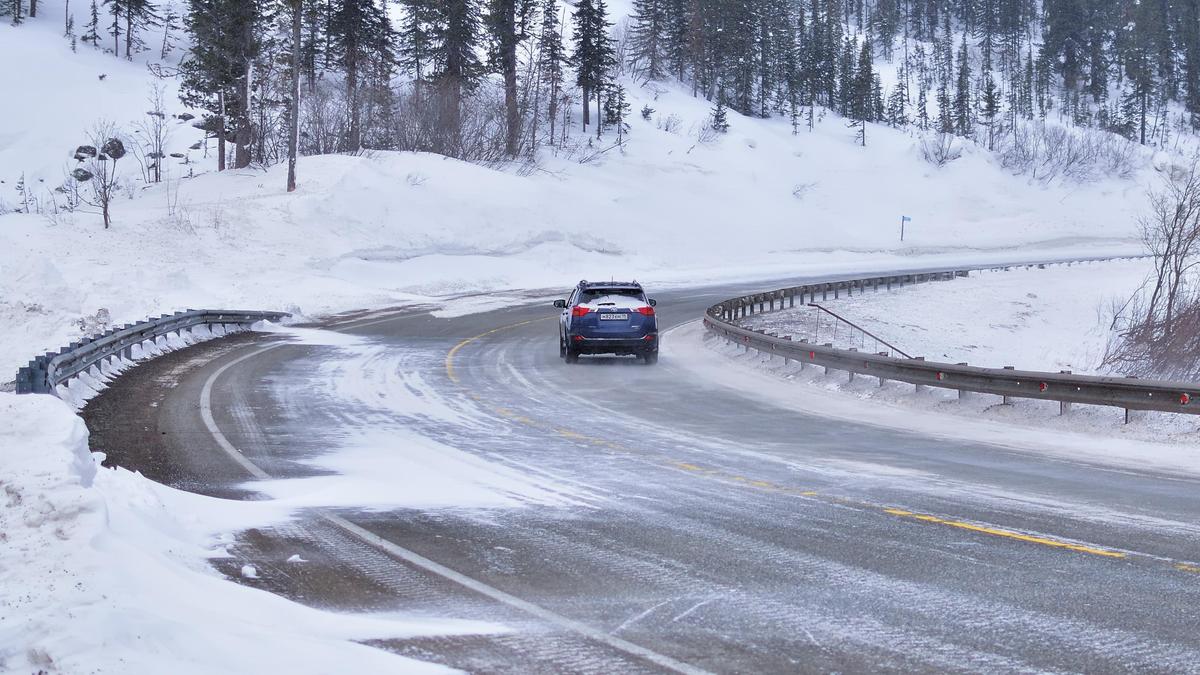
453 352
1008 534
1184 567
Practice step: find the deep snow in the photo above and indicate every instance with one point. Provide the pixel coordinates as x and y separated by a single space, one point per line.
1057 318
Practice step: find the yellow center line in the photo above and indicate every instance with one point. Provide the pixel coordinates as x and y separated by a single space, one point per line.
1008 534
454 352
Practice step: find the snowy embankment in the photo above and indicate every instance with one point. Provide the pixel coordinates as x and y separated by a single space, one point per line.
1053 319
102 570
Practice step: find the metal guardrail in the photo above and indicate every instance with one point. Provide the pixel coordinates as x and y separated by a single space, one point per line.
45 373
1129 393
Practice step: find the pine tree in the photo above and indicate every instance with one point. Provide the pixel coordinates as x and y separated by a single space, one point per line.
616 111
897 115
990 107
92 29
945 123
963 114
359 31
647 37
923 110
215 71
170 24
594 54
416 36
719 118
458 66
552 58
862 92
507 22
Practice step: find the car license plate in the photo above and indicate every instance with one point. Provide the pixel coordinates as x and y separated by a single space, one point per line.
614 317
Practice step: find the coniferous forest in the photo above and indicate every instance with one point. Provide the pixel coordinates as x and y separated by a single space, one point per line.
495 79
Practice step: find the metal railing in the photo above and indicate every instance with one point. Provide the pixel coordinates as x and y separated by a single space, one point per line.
46 373
863 332
1129 393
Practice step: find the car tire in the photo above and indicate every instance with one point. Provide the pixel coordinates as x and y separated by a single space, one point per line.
571 355
650 358
562 347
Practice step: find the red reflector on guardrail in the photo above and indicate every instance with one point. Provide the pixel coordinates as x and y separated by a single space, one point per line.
812 356
1043 386
1184 399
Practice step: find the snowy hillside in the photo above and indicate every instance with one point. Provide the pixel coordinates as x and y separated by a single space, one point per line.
386 227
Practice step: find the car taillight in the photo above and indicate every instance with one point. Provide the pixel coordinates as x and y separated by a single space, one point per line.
646 311
579 310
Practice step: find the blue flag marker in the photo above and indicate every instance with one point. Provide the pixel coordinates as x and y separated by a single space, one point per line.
903 220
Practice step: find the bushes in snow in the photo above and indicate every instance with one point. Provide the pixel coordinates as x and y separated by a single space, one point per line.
940 149
1160 326
1048 152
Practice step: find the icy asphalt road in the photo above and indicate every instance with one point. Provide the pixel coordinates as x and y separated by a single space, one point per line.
673 524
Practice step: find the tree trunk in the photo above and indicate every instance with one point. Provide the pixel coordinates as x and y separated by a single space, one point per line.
33 9
66 17
294 109
553 110
128 35
587 99
599 122
244 131
221 132
508 63
355 139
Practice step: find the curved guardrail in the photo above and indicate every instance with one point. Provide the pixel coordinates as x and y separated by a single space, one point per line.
45 373
1129 393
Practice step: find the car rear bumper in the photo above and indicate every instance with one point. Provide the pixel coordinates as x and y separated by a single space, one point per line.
607 345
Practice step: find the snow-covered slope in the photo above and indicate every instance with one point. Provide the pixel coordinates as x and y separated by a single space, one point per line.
378 229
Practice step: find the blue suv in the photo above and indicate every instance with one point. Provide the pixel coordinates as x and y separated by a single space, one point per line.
608 318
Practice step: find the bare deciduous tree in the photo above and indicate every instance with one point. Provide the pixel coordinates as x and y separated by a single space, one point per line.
98 170
1160 332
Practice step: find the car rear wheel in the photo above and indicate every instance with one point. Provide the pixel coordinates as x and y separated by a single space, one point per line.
650 358
571 355
562 347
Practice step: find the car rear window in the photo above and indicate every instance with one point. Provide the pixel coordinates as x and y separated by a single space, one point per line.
614 295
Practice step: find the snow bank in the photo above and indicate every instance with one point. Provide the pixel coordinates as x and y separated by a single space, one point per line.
1057 318
104 571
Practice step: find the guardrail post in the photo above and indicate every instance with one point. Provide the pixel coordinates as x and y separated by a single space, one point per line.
963 394
919 387
1064 407
1005 400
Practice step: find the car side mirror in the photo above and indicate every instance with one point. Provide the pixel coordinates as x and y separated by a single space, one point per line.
652 302
561 304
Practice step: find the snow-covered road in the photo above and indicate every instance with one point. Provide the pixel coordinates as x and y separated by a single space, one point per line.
611 516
